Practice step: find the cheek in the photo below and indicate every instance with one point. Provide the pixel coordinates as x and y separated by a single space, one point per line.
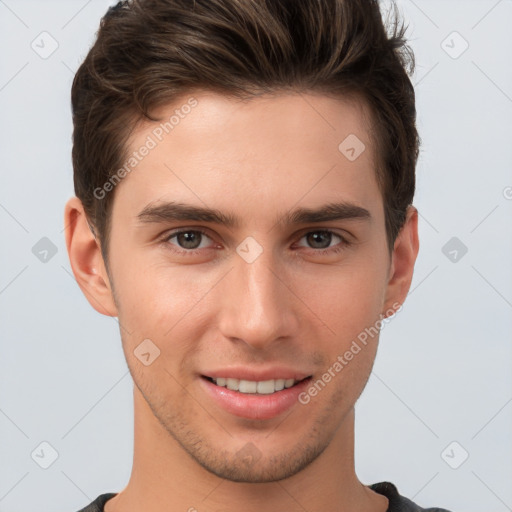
162 303
347 299
352 313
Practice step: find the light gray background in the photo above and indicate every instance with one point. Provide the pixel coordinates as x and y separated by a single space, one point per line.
443 370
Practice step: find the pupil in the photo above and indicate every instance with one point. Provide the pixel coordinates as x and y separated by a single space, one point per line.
318 235
187 238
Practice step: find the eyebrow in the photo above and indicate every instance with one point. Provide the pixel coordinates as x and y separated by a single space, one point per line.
175 211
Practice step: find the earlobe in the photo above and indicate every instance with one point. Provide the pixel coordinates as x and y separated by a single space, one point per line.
86 259
404 256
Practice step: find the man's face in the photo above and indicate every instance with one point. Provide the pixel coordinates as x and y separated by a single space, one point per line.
262 299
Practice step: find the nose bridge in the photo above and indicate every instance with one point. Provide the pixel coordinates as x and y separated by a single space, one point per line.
256 306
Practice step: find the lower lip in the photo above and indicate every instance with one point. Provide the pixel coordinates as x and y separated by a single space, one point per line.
253 406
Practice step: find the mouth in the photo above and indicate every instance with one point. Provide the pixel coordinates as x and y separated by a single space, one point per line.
255 393
252 387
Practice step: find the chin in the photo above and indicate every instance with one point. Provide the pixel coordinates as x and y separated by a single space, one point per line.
250 465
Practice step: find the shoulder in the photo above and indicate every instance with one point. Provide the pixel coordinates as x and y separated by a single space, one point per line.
398 503
98 504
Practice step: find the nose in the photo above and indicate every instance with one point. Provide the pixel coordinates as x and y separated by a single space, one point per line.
257 304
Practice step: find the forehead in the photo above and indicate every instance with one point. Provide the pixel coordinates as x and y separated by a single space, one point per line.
277 149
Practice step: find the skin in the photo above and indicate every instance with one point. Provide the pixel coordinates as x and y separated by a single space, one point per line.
290 306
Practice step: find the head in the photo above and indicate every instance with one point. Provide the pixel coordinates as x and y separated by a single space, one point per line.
260 112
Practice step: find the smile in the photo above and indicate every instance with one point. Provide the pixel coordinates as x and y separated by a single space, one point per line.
262 387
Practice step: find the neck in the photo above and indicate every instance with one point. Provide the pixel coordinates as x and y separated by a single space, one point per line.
165 477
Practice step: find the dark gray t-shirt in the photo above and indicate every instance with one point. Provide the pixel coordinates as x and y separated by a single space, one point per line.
397 503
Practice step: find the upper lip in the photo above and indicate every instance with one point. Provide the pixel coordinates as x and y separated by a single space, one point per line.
254 374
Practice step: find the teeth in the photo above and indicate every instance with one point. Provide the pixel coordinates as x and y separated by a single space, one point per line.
263 387
232 384
248 386
288 383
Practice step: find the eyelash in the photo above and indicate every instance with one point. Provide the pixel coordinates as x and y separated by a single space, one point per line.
193 252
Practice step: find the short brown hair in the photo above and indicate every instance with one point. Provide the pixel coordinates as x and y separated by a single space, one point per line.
149 52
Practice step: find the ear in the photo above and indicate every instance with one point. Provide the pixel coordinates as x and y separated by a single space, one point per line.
86 259
403 258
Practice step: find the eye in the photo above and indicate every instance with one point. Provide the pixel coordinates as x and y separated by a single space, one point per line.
320 240
189 240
